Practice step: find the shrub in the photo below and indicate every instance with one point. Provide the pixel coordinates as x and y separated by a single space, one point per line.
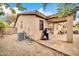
3 25
77 25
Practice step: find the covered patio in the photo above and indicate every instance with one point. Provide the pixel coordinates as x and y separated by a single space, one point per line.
66 43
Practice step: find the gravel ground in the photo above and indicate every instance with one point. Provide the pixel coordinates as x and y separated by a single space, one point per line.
10 46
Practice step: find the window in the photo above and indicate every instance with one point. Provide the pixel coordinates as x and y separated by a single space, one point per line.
41 24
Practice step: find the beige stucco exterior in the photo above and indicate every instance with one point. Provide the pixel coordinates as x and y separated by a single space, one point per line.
38 32
30 25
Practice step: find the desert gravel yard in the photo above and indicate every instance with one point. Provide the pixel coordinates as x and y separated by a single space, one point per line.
10 46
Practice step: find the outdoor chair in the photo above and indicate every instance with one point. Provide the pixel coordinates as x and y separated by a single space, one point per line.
43 37
61 32
75 32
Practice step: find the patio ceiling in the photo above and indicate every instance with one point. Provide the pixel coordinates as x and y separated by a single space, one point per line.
57 20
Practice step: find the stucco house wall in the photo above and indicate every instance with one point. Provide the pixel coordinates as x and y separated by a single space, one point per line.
38 32
30 24
26 23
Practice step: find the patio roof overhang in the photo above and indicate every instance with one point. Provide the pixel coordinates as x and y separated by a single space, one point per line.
55 19
39 14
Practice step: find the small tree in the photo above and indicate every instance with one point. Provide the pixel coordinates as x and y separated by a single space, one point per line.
12 18
13 11
2 26
6 5
45 5
20 7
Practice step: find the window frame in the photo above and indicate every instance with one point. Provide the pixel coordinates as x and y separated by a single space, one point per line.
41 24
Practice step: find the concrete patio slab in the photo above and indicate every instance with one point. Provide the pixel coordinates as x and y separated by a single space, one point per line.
61 46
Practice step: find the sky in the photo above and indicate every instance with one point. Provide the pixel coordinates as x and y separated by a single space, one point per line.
50 9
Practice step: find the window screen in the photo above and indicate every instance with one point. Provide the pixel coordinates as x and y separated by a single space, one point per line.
41 24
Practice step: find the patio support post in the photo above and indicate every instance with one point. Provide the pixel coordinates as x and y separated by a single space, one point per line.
70 29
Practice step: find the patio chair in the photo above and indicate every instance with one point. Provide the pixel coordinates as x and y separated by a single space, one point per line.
75 32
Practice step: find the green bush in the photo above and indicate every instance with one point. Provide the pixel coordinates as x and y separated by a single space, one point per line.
77 25
3 25
1 13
